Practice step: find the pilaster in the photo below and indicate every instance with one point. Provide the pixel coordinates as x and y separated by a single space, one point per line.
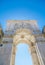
34 55
13 55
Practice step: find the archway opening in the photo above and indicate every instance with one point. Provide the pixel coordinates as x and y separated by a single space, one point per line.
23 56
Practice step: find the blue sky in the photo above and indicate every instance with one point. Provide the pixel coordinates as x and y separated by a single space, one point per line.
23 56
22 10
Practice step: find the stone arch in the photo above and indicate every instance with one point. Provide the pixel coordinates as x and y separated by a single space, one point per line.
24 35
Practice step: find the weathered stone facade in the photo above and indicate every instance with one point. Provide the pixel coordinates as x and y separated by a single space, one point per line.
26 31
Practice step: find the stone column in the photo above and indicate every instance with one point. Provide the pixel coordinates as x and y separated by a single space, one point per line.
34 55
12 62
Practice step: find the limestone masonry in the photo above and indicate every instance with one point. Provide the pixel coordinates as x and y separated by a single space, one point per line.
22 31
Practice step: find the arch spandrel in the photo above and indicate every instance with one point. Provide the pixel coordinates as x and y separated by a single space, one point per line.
23 30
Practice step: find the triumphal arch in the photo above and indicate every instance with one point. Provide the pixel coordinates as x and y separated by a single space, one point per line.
21 31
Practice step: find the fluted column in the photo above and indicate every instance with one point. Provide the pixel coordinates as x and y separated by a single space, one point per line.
12 62
34 55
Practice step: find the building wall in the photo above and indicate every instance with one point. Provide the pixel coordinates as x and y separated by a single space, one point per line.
5 54
41 47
